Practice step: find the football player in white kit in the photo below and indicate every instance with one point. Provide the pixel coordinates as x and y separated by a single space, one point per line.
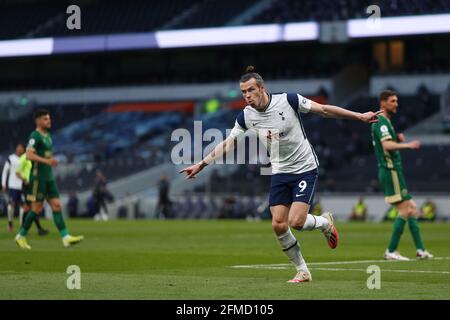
12 183
277 121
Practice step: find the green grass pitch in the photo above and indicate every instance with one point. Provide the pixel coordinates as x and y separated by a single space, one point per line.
194 260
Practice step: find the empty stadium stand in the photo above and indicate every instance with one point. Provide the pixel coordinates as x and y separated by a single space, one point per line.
330 10
101 16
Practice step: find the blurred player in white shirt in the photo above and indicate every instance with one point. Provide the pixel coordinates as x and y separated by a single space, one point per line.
12 184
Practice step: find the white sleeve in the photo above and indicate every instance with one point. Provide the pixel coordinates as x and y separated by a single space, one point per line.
237 131
304 105
5 173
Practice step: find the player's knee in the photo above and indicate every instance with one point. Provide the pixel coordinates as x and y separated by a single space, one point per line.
408 209
413 210
56 206
296 224
279 226
37 208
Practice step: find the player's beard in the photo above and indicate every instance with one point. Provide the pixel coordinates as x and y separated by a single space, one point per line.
392 112
45 129
388 113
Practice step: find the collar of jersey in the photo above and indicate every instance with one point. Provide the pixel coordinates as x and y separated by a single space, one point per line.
45 136
381 114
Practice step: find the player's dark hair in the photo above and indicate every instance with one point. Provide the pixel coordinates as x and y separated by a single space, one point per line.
386 94
39 113
250 73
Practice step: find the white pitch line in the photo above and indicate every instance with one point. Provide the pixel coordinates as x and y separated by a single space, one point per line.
349 262
383 270
263 266
280 266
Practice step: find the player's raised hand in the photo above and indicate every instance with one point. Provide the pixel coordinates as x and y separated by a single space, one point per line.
192 170
401 137
52 162
415 144
370 117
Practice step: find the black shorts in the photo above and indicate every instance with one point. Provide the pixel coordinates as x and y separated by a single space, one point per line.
286 188
15 196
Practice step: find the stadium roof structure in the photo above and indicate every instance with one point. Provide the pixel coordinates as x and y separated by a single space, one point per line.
236 35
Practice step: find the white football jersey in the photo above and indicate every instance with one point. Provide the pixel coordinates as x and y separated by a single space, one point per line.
280 129
9 172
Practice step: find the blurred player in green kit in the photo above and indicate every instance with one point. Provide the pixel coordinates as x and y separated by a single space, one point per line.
387 144
42 184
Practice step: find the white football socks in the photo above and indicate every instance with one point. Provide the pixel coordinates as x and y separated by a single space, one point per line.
21 216
290 246
10 213
314 222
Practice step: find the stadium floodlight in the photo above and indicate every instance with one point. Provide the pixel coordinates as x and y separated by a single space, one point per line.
219 36
27 47
400 26
302 31
266 33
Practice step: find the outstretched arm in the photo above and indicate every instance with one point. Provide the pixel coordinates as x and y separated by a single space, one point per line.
221 149
31 155
389 145
329 111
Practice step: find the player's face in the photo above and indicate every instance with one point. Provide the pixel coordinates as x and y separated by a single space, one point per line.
19 150
390 105
44 122
252 93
